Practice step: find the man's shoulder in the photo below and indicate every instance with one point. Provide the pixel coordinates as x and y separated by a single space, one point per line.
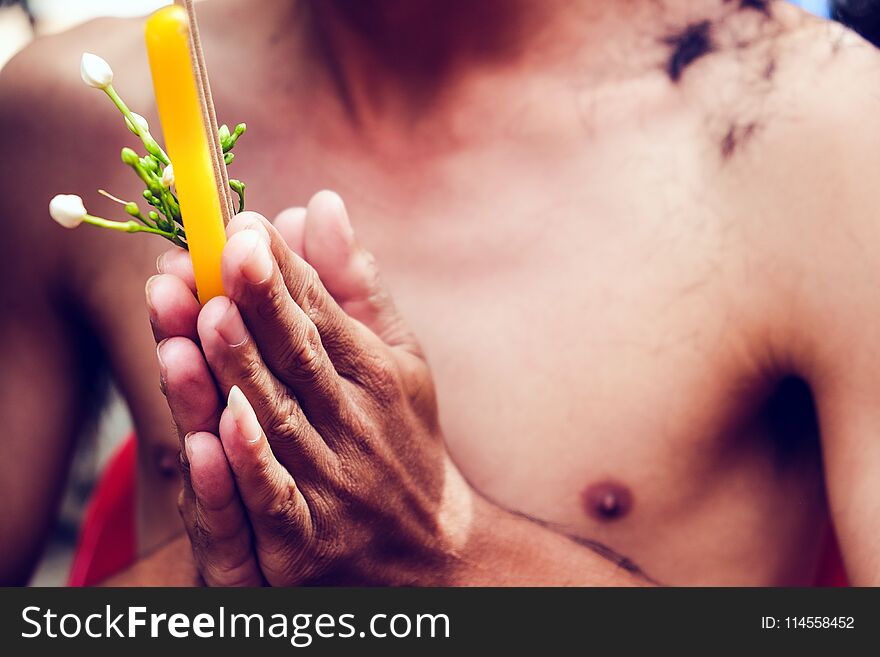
833 71
803 180
806 119
46 72
60 136
825 77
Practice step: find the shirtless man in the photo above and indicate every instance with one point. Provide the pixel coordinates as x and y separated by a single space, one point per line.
626 235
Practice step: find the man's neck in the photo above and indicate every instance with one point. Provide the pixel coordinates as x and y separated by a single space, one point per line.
401 55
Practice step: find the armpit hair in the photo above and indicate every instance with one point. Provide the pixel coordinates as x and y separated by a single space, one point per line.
693 42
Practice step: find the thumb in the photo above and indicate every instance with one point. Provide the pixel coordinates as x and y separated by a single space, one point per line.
349 272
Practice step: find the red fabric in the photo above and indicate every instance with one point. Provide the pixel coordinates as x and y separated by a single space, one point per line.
831 570
106 542
107 537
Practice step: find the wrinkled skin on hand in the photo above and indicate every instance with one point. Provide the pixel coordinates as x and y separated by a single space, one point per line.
311 448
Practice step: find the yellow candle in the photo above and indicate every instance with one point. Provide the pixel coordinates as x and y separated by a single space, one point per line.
188 145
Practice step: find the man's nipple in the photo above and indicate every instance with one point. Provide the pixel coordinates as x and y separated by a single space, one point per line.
607 500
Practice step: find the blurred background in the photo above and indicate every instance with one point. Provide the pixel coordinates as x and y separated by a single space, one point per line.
23 20
20 22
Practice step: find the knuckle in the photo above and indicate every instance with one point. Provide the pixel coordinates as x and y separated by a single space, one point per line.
304 356
419 383
423 398
312 295
383 380
233 570
284 426
273 302
310 349
385 371
326 544
264 475
252 370
283 507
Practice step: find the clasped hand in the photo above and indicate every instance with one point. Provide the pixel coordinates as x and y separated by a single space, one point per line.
310 445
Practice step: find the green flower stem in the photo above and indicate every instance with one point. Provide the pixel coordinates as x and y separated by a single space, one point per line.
166 219
140 216
130 226
238 187
173 206
150 179
240 199
150 144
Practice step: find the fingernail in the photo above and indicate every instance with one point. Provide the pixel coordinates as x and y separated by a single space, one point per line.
148 292
243 415
160 263
346 221
186 446
257 266
231 328
163 370
260 229
159 348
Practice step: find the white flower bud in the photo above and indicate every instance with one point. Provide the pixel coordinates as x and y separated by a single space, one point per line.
141 122
95 72
68 210
168 177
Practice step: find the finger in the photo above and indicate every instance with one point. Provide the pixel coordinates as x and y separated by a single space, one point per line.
357 353
351 275
322 235
177 263
189 388
349 271
214 517
235 361
290 224
341 337
172 307
290 343
278 512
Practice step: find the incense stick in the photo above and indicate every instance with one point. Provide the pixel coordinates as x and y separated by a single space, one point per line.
208 113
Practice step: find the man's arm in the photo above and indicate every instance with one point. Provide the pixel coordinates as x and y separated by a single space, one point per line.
849 406
48 363
842 361
43 401
42 410
172 564
827 258
504 550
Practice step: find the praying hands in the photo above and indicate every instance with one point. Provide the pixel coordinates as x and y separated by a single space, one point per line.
310 441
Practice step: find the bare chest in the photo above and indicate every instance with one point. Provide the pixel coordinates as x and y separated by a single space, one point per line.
592 333
595 338
610 384
558 307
